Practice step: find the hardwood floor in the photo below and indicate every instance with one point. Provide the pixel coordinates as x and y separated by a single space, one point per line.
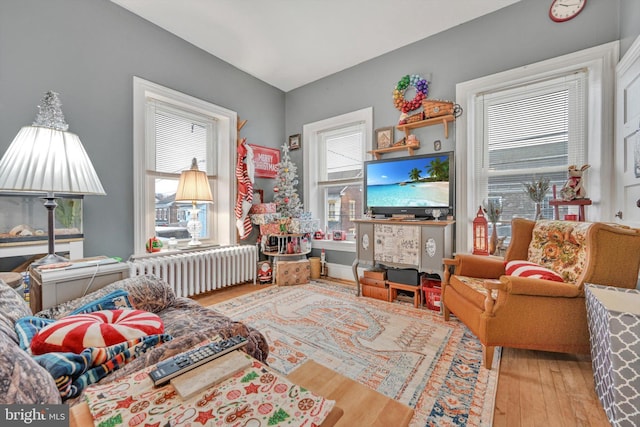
535 388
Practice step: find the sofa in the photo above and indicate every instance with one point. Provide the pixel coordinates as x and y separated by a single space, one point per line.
25 381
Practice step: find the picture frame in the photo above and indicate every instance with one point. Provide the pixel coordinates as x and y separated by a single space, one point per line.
384 137
294 142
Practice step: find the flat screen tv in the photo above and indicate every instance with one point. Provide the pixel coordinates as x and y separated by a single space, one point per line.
413 185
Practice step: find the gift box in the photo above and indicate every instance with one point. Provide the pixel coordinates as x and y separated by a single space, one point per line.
298 225
270 228
259 219
263 208
293 272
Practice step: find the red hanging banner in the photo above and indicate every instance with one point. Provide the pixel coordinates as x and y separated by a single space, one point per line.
265 161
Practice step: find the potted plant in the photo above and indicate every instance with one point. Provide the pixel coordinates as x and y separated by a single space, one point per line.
537 190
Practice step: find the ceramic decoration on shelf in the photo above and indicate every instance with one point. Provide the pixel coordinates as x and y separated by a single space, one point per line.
154 245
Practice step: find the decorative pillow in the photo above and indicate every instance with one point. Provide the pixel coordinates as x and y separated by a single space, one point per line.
532 270
560 246
97 329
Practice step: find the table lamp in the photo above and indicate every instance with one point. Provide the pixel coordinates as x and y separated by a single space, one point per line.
46 159
194 187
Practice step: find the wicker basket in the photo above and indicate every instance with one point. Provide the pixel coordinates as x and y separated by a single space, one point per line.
415 117
437 108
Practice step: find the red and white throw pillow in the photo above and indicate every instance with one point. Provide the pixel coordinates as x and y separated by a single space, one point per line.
97 329
532 270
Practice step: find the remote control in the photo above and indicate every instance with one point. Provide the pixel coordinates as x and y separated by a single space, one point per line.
186 361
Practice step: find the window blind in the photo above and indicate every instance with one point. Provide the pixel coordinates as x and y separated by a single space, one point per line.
529 132
178 140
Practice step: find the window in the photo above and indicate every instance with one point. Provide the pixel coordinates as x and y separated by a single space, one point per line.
501 143
171 128
333 180
175 137
529 132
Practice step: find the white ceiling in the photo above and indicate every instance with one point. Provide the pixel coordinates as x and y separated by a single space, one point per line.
289 43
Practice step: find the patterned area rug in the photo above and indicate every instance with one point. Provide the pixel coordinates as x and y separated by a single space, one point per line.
411 355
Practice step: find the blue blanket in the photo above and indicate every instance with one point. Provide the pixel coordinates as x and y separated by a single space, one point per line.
74 372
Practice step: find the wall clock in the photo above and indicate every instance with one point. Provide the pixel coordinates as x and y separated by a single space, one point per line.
563 10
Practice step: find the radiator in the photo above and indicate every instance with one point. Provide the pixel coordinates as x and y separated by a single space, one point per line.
195 272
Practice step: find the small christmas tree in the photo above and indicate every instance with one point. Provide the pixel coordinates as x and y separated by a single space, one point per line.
288 204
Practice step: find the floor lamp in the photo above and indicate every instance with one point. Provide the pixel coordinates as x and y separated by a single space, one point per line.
194 187
46 159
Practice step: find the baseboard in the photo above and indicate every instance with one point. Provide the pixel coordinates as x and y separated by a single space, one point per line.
340 271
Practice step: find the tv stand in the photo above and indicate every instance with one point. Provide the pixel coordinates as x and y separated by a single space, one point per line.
403 243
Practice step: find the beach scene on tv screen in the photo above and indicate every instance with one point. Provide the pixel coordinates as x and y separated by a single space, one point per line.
409 182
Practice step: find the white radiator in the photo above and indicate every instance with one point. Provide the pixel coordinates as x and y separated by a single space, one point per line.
195 272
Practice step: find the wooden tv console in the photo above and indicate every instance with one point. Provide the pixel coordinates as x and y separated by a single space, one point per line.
403 243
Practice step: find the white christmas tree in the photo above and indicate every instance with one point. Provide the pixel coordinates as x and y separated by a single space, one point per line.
288 204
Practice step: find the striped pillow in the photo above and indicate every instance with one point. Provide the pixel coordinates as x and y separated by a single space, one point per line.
98 329
520 268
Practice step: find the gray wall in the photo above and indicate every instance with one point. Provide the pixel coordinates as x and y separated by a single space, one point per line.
517 35
89 51
629 23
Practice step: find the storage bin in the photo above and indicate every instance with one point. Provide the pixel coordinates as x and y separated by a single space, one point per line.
406 276
432 297
293 272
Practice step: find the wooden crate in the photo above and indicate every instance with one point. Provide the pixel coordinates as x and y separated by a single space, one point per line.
375 274
375 292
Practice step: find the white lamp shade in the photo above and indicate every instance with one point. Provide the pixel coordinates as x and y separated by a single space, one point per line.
194 186
46 160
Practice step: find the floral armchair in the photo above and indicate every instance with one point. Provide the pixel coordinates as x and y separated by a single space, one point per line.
540 306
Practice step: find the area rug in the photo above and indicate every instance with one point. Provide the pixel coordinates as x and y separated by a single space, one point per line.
411 355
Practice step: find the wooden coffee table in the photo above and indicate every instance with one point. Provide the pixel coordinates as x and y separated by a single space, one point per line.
361 406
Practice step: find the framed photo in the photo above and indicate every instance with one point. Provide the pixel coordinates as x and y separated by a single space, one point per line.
294 142
437 145
384 137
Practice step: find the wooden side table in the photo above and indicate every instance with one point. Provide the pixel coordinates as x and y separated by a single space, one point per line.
556 203
393 292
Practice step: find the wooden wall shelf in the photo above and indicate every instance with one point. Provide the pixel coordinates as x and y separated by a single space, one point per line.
444 120
409 148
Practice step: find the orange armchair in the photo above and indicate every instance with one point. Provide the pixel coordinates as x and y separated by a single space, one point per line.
539 314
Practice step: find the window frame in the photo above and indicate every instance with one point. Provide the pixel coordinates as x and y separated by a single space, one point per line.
311 141
600 63
225 135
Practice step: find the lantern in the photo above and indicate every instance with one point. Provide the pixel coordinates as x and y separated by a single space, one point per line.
480 234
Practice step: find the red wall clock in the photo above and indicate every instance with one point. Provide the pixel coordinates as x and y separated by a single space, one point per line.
563 10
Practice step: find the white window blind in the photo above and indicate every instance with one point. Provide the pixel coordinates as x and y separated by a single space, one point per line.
178 141
343 153
179 137
529 132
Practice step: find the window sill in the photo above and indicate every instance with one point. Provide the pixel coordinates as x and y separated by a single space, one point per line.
335 245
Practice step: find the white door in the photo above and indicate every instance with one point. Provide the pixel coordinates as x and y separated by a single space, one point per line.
627 146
